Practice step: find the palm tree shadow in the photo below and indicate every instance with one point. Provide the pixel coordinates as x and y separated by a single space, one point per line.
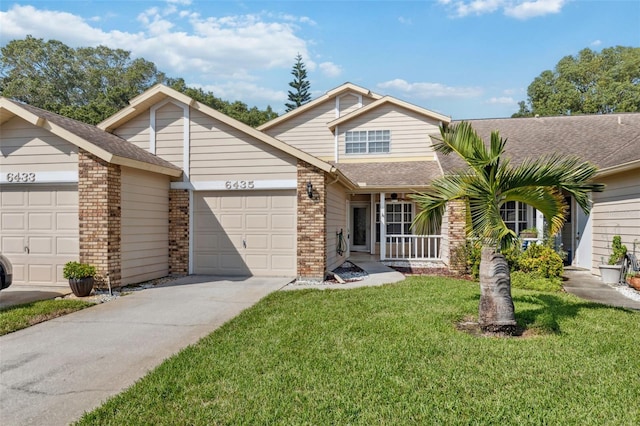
549 312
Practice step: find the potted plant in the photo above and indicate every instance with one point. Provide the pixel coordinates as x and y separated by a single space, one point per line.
529 233
80 276
610 273
634 281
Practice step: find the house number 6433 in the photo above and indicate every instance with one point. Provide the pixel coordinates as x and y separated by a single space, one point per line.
239 184
21 177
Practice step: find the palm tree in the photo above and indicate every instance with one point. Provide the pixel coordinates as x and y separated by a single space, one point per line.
489 181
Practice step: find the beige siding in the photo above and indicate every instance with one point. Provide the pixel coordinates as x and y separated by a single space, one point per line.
145 226
136 131
28 148
309 132
616 211
170 133
348 103
409 133
336 218
221 152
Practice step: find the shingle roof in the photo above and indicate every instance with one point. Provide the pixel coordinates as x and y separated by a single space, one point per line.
390 174
606 140
103 140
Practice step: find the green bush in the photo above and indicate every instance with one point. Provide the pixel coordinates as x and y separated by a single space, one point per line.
618 250
541 260
533 281
78 270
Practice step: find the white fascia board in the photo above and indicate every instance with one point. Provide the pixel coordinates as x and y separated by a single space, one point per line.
27 177
236 185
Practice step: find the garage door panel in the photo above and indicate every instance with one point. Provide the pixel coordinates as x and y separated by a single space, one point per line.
250 217
39 231
41 221
14 221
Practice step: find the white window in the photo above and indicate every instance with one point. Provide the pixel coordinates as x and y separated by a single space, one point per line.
370 141
515 215
399 218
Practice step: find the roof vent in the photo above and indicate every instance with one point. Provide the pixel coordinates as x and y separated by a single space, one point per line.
619 120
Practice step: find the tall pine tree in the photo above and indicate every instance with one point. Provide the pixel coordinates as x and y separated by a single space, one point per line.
300 84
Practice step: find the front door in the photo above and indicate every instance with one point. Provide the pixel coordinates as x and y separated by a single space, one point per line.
360 224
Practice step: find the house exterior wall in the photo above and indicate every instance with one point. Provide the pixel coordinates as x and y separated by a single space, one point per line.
22 143
616 211
409 134
169 136
221 152
136 131
145 225
309 132
99 215
178 232
336 219
311 223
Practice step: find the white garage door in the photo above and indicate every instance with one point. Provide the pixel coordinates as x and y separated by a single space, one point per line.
39 231
245 233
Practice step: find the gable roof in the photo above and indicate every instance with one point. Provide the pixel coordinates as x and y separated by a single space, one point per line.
160 92
385 100
610 141
106 146
333 93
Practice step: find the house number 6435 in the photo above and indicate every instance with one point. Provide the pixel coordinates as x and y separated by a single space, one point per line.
21 177
239 184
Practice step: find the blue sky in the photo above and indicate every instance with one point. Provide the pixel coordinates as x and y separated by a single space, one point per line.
465 59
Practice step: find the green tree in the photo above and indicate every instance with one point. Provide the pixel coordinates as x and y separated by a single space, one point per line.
88 83
485 185
589 83
300 95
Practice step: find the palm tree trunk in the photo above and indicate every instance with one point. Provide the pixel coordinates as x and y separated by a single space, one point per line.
496 312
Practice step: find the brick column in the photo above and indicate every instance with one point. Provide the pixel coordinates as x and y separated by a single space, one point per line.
99 215
312 236
178 232
455 235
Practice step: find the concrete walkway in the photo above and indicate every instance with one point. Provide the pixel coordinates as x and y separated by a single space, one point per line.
586 286
19 294
53 372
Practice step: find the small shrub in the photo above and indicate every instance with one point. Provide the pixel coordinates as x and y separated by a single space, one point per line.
533 281
78 270
618 250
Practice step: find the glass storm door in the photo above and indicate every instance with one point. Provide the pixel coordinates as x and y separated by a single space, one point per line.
360 228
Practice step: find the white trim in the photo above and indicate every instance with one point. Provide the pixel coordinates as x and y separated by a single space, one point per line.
186 143
221 185
191 222
383 227
44 177
336 144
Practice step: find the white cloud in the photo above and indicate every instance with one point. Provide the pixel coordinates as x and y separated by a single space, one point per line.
532 9
330 69
502 100
208 48
405 21
596 43
519 9
429 90
244 90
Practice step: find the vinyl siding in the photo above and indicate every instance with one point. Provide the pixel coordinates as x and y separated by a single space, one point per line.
170 133
336 219
28 148
409 133
136 131
221 152
145 226
616 211
309 132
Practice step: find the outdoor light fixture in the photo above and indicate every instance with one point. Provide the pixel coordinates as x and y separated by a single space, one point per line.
309 189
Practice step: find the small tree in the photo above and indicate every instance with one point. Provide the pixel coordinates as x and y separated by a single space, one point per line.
300 84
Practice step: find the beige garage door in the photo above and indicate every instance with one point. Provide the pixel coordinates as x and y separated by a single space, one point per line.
39 231
245 233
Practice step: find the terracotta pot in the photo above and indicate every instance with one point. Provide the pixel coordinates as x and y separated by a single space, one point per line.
635 282
81 287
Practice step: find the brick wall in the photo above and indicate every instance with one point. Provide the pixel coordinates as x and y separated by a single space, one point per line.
311 256
178 232
99 215
455 235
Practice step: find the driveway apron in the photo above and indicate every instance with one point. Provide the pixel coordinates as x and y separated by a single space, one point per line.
53 372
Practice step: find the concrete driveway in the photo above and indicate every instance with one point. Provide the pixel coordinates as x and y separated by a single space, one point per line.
53 372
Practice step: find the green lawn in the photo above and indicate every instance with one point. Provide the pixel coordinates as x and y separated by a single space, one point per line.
392 355
17 317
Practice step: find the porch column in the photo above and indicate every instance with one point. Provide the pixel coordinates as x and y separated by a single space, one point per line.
539 224
383 228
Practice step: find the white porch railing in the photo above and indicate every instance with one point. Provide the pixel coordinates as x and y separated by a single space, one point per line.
413 247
